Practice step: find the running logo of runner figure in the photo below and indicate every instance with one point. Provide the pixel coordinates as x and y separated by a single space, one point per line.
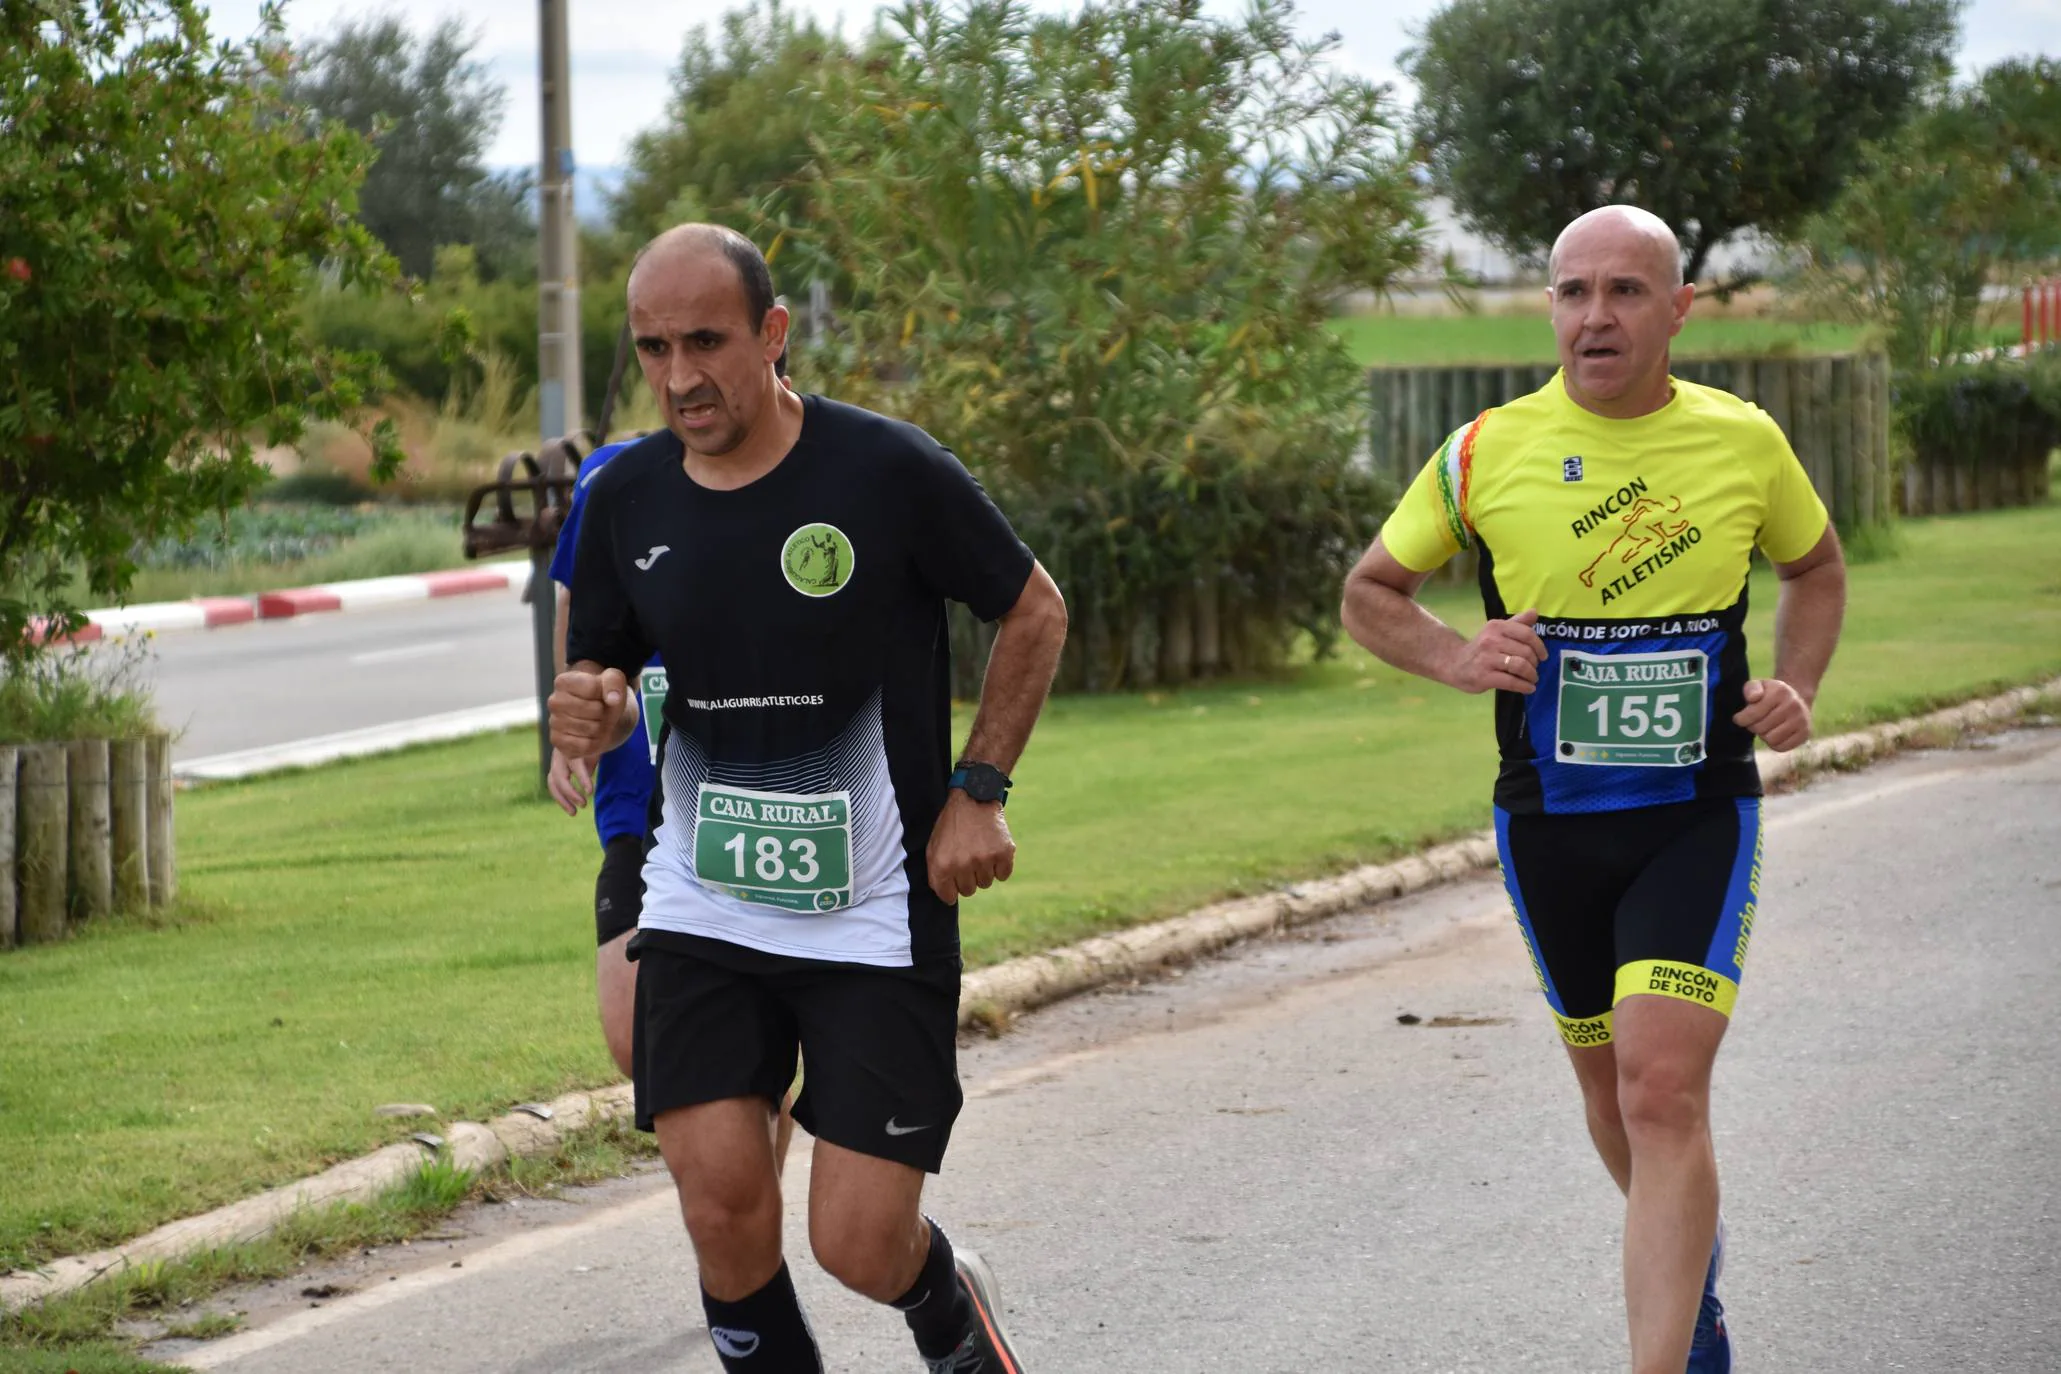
1637 538
817 560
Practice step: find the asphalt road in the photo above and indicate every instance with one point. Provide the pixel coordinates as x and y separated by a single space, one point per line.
271 681
1254 1168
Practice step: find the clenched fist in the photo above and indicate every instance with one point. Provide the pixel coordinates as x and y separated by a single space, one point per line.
588 713
1777 713
1505 656
970 848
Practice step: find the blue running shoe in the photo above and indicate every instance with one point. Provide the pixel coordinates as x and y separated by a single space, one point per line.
1711 1350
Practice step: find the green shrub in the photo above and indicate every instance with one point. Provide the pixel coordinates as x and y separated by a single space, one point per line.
412 336
2004 412
76 693
1108 287
317 486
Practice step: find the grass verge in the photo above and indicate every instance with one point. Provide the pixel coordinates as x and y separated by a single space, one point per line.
95 1329
416 927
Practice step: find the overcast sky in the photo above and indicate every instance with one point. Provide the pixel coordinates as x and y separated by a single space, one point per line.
623 51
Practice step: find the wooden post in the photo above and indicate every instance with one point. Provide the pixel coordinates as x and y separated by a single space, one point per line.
1839 438
1742 379
8 909
1824 419
1142 662
1512 384
1885 472
164 868
128 775
1389 462
1422 422
1865 477
92 869
1177 637
1209 639
1771 386
42 857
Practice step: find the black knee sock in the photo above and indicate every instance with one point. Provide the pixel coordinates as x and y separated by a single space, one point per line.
764 1333
936 1306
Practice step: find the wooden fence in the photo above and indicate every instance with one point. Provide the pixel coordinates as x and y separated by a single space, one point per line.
1944 486
85 829
1834 409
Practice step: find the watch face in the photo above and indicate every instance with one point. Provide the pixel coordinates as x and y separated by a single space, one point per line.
985 782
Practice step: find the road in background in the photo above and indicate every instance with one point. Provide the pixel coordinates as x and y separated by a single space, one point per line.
1256 1168
244 686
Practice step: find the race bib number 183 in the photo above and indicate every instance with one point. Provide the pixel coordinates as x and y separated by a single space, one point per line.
1636 710
775 849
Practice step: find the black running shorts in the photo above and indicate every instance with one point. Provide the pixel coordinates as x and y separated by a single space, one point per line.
1613 904
717 1020
619 890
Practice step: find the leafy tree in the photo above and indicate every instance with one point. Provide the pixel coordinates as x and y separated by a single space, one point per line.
431 111
735 131
1096 253
1969 193
165 207
1720 116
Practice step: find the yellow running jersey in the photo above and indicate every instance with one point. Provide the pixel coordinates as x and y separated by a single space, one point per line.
1631 538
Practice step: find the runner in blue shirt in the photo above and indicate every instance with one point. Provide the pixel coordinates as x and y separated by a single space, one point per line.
621 793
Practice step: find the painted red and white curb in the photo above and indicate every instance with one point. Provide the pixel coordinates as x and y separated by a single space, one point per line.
208 612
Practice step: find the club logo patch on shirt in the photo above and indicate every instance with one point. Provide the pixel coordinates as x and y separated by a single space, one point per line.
1571 468
1651 539
817 560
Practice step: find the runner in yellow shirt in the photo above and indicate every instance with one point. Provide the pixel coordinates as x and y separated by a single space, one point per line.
1613 514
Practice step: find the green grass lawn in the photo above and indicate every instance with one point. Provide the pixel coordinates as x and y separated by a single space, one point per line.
418 927
1431 341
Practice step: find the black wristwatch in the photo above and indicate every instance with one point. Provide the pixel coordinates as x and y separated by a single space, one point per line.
981 781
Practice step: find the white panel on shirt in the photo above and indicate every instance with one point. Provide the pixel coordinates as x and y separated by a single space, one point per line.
874 929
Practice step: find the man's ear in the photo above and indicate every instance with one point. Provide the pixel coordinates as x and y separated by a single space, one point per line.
773 333
1684 297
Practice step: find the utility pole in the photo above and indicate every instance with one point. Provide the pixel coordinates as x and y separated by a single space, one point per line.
558 323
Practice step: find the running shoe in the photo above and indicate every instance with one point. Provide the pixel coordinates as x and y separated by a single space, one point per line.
1710 1352
986 1350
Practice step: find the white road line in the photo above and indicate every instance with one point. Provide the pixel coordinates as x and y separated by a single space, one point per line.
477 1262
312 1319
1807 811
403 653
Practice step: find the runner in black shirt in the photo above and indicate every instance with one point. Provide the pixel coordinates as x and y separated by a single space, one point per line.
790 559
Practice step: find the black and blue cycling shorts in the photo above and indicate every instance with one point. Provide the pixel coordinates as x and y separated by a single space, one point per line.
1655 900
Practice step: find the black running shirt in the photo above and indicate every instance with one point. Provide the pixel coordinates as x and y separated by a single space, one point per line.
807 705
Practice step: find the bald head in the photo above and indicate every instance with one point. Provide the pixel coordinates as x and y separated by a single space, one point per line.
709 336
687 245
1623 229
1618 299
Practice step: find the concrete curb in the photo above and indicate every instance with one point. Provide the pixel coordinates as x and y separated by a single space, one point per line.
470 1145
208 612
360 743
1034 980
1003 990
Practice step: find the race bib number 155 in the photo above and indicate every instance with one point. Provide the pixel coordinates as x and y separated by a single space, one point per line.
1636 710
